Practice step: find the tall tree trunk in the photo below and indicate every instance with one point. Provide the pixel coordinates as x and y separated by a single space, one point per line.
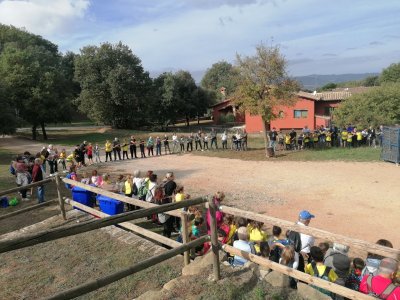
198 120
43 131
34 137
266 139
187 121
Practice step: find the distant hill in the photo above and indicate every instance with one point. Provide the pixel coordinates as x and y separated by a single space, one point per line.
312 82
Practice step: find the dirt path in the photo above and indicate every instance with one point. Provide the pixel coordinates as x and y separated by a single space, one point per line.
360 200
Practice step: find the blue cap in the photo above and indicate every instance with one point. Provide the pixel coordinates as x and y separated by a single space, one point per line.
306 215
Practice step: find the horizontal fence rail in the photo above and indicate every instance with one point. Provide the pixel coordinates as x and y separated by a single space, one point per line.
127 225
101 282
332 237
116 196
332 287
29 208
25 187
57 233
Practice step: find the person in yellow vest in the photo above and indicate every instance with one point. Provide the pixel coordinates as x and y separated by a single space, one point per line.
257 234
344 135
125 147
349 139
108 148
70 159
359 138
128 188
328 138
315 138
287 141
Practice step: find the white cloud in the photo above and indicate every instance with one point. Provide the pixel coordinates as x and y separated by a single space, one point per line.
44 17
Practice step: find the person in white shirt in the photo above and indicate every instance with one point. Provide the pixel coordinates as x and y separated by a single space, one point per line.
224 139
307 241
175 142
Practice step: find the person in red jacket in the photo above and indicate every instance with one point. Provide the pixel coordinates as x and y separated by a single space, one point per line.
37 175
381 286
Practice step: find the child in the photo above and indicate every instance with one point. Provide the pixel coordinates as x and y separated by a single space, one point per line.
218 198
354 278
95 180
205 141
290 258
96 152
85 178
128 185
232 229
318 269
287 141
324 246
119 184
125 147
180 195
158 146
89 152
257 235
277 244
62 157
141 146
182 143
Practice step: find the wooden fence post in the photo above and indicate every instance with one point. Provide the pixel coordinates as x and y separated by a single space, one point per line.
60 200
214 239
185 237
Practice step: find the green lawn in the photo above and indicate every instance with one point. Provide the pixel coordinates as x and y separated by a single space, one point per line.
6 179
331 154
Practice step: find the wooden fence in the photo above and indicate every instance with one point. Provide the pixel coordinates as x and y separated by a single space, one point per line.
149 209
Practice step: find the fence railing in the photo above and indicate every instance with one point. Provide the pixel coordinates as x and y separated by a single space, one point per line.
56 179
149 209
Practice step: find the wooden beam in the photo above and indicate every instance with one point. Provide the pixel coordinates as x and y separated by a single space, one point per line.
133 201
101 282
127 225
332 287
185 236
60 200
25 187
57 233
17 212
332 237
214 239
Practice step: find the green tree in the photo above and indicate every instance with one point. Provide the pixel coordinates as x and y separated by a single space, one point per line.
263 84
370 81
328 86
8 121
221 74
30 67
391 74
380 105
115 88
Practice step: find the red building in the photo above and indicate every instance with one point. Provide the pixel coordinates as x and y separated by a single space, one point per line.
310 109
225 108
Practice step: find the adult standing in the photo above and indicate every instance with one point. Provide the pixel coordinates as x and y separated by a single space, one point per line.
108 149
197 140
22 175
307 241
52 159
150 146
166 145
273 136
169 191
37 175
117 149
83 152
244 140
175 142
132 147
89 152
224 140
213 137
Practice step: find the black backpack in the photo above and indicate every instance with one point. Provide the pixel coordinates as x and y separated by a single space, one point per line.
295 240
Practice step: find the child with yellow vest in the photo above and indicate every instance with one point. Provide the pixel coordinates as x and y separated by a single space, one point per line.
344 135
108 148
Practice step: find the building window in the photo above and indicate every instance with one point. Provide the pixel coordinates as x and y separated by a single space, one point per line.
328 111
300 114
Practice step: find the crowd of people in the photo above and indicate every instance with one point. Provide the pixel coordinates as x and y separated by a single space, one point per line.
346 137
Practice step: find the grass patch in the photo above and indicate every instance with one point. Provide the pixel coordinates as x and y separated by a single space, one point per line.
6 179
363 154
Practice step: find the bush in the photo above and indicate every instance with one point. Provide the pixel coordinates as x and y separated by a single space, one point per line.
227 118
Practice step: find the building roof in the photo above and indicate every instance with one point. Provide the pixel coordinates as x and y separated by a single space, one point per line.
222 104
334 95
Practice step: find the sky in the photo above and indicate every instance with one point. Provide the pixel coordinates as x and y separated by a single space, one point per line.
316 36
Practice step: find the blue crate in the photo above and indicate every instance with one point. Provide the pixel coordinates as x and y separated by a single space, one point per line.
4 202
110 206
82 196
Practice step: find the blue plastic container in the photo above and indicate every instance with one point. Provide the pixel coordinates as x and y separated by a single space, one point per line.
110 206
4 202
82 196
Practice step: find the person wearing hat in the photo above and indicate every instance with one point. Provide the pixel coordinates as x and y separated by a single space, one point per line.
381 285
307 241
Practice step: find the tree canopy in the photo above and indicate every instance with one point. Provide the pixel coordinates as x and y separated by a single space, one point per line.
115 88
221 74
34 84
263 83
391 74
380 105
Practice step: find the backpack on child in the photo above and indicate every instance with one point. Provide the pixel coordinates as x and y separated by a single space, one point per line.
142 191
12 170
386 292
324 276
294 240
